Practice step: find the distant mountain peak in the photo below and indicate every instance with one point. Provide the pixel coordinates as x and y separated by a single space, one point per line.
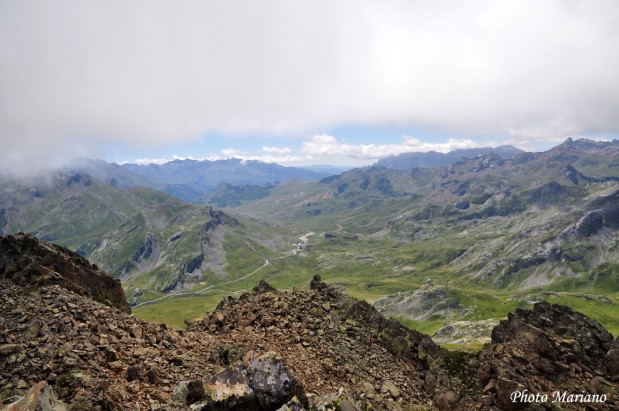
189 179
410 161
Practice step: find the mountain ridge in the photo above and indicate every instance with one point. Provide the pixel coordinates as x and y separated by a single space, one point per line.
205 176
159 241
430 159
190 180
489 234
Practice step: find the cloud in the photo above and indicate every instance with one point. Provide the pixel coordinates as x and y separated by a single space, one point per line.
326 145
232 153
144 161
77 75
278 150
282 157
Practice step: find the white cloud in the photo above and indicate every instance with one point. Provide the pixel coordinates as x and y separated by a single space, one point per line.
232 152
76 75
144 161
228 153
188 157
326 145
281 157
278 150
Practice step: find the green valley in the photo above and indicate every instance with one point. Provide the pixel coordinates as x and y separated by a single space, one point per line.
448 250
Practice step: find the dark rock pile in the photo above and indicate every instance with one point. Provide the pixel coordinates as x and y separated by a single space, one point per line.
548 350
94 356
333 341
263 383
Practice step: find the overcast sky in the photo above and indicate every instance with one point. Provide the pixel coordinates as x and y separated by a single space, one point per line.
301 82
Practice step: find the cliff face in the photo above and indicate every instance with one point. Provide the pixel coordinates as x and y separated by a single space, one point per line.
29 262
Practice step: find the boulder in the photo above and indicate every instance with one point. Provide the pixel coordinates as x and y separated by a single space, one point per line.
41 397
265 383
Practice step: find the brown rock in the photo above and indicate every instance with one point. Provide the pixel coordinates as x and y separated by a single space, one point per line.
140 351
612 361
134 372
116 366
153 376
447 401
27 260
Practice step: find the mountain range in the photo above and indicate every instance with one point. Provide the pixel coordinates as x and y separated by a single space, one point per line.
410 161
190 180
459 244
158 241
449 250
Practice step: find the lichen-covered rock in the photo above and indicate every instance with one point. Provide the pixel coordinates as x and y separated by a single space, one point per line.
40 397
273 383
293 405
263 383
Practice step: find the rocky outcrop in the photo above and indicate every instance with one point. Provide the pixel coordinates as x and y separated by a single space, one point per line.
595 220
41 397
146 249
263 383
30 262
421 304
219 218
488 160
551 193
465 332
330 341
550 349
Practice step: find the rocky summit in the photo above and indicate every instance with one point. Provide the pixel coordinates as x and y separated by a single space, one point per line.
27 261
67 344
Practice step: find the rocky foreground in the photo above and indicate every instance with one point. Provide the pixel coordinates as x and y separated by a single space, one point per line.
68 342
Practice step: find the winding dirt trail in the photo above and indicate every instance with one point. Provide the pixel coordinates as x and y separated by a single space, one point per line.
303 239
266 262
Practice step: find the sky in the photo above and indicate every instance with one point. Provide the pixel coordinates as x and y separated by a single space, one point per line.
300 82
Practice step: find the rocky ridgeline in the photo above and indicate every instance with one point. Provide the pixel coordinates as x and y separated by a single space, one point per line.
276 350
550 349
333 341
28 261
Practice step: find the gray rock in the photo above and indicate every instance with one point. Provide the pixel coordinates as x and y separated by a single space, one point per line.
265 383
272 381
41 397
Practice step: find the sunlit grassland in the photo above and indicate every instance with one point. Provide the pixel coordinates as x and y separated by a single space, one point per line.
373 268
174 311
